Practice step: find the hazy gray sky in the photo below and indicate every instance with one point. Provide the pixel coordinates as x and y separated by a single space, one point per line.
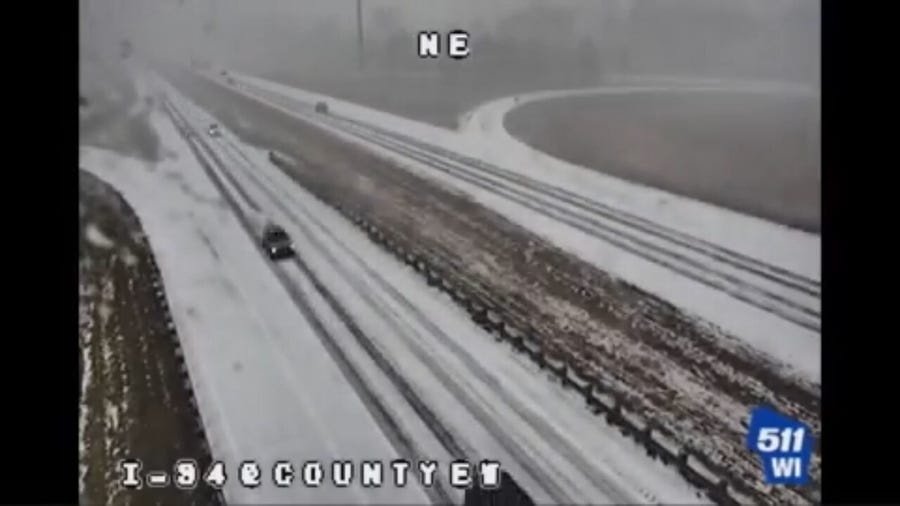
670 33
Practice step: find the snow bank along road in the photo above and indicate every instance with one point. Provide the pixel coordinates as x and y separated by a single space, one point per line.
323 379
239 334
772 303
681 376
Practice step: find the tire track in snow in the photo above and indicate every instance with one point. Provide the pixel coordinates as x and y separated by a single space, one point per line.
526 191
541 427
401 440
443 433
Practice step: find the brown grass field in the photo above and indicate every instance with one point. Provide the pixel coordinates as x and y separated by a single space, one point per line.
758 154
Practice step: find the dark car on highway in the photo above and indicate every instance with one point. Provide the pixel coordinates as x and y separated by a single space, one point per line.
276 242
321 108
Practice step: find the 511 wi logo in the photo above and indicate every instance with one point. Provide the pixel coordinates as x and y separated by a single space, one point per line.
783 444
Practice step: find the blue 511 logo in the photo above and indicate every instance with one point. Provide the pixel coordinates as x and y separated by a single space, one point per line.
783 444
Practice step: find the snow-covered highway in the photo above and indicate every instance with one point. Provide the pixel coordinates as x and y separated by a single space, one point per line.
661 364
476 401
345 353
770 299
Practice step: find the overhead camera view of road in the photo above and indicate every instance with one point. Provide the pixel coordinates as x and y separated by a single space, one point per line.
450 252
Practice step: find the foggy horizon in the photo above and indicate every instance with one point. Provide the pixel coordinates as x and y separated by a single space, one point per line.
768 40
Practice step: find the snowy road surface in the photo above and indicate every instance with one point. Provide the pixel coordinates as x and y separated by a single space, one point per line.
343 353
250 367
755 279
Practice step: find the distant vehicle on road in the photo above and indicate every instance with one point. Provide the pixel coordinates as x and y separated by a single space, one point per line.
125 48
321 108
280 159
276 242
214 130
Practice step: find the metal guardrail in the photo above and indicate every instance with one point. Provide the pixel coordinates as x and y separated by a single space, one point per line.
199 430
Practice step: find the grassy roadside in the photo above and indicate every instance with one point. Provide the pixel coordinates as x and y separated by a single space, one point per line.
754 154
135 402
